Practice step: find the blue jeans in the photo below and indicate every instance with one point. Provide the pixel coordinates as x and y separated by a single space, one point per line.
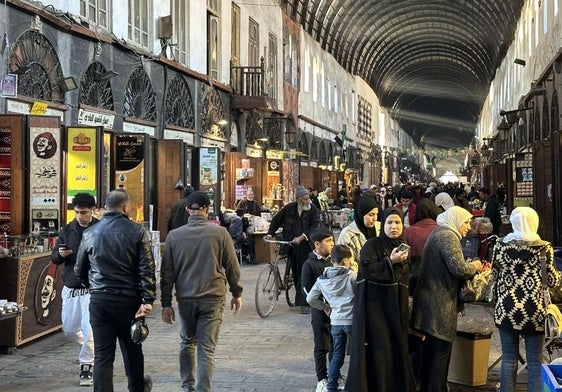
510 353
199 332
111 320
340 334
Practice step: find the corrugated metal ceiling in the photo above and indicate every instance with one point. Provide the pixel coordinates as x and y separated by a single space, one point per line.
430 61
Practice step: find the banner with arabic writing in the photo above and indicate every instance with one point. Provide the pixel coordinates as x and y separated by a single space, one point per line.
81 164
44 172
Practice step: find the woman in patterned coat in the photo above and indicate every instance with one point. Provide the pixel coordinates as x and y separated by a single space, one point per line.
520 309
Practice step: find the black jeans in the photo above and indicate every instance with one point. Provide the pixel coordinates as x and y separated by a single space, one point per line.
111 320
322 342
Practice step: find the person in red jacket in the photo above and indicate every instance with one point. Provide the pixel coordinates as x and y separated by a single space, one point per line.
408 207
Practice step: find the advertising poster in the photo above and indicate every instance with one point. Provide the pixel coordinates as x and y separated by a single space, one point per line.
45 176
129 171
81 167
209 172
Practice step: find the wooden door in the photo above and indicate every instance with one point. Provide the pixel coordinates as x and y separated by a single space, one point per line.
542 178
170 167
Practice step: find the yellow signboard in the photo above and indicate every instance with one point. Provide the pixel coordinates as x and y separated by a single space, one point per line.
39 108
81 169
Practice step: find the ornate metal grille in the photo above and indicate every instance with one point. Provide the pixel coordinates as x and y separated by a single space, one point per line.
179 104
213 112
254 130
314 149
96 92
302 145
140 101
322 158
35 61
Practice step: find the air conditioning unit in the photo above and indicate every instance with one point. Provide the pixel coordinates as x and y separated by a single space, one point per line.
165 27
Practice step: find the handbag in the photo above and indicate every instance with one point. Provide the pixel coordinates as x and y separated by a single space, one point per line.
553 317
478 288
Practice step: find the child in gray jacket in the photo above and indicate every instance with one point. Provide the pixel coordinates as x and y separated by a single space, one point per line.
333 293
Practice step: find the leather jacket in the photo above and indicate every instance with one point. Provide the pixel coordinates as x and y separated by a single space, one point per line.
115 258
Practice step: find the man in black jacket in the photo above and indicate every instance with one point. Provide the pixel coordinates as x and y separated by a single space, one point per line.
298 219
178 212
116 260
75 298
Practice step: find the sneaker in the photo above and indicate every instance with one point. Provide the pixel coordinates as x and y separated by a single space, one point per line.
147 383
341 382
322 385
86 379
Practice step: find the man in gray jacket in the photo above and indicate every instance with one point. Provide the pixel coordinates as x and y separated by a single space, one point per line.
198 260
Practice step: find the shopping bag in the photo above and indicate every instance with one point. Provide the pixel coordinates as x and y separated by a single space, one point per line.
552 322
478 288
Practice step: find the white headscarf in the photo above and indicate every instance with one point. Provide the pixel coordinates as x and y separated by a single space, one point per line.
525 223
453 218
444 200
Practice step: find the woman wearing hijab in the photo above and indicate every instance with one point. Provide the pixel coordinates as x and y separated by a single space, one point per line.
379 354
444 201
363 227
520 308
434 314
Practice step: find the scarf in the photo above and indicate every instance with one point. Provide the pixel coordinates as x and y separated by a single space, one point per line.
426 209
362 208
453 218
444 200
525 223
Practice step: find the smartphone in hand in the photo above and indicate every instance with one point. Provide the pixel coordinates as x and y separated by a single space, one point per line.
403 247
63 246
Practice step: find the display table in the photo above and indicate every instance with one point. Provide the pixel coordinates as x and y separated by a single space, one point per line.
35 282
263 251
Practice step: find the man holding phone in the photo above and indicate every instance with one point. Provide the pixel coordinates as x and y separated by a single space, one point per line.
75 296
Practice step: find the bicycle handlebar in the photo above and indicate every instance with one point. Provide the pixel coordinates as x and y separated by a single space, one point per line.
278 241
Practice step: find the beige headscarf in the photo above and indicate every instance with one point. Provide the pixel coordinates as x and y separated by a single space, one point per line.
453 218
525 223
444 200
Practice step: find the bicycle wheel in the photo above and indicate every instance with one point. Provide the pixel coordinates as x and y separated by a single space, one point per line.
267 290
289 283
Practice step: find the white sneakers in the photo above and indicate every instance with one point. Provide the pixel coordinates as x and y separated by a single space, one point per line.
341 382
322 386
86 379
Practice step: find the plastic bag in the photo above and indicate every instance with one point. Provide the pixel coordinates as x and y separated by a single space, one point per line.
477 289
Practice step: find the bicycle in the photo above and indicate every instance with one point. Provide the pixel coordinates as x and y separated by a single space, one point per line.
270 285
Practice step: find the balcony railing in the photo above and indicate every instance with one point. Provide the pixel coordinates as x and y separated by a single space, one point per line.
248 84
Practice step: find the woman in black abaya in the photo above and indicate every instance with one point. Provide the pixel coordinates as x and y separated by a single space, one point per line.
379 358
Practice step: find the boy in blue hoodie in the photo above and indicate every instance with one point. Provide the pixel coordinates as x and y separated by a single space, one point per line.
333 293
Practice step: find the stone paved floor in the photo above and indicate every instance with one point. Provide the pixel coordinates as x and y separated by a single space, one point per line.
254 354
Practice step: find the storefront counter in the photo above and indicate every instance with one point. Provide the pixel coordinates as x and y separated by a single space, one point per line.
36 283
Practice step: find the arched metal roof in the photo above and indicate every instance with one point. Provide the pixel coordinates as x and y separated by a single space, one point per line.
429 61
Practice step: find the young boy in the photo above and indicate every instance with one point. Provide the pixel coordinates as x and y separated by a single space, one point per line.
333 293
323 242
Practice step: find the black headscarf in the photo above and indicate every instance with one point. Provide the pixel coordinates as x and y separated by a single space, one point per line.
375 250
426 209
391 243
363 206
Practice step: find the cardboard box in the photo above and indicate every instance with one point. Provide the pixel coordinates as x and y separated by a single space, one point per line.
549 375
469 359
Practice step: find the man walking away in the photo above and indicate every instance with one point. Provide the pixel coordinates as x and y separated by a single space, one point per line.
199 258
116 260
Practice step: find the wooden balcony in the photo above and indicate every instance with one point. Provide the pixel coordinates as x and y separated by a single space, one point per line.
248 85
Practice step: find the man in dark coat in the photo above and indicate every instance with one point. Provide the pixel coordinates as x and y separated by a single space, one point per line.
491 209
297 219
178 213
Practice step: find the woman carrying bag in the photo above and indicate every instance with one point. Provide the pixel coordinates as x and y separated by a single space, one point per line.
520 309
